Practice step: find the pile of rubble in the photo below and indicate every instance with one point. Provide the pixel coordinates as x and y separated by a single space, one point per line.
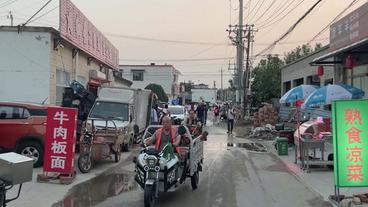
361 200
265 115
267 132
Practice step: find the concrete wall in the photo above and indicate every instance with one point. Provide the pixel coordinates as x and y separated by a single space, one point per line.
208 95
24 66
162 75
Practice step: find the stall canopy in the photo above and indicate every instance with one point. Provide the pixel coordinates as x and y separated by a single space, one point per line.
327 94
298 93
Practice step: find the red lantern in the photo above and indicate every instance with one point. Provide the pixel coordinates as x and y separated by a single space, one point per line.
320 70
349 62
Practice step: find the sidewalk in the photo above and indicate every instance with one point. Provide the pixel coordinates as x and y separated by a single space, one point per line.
46 194
320 180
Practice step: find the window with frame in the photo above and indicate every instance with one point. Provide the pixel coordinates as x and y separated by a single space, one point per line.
10 112
137 75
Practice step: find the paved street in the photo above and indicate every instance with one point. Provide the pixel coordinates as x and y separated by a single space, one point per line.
231 177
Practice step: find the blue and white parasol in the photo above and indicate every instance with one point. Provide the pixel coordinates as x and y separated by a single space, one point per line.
298 93
325 95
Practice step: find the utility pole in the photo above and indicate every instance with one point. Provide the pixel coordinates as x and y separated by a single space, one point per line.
236 36
10 16
240 50
247 72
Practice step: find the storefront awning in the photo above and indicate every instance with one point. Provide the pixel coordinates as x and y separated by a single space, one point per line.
324 59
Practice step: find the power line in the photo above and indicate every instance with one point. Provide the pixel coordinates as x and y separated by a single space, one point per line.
41 23
255 14
29 6
290 29
7 3
177 60
268 8
36 13
271 23
43 20
278 11
44 14
336 17
250 10
249 5
203 51
164 40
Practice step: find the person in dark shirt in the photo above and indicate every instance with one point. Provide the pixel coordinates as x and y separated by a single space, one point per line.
201 112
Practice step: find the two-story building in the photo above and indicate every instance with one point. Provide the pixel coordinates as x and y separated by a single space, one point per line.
165 75
301 72
38 63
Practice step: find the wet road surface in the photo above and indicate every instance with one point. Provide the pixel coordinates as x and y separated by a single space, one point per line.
232 177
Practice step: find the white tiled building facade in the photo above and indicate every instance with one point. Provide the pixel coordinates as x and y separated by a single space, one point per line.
142 75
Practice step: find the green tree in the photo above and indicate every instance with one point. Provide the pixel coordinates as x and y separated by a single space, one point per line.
157 89
267 80
300 52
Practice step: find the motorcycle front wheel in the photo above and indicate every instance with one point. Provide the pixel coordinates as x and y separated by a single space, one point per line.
149 196
84 162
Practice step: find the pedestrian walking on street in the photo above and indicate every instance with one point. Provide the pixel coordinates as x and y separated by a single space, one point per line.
201 113
205 113
216 113
230 120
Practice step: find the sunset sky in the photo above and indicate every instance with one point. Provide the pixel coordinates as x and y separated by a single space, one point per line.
199 22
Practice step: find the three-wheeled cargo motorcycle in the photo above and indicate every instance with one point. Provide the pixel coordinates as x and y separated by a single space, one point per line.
159 171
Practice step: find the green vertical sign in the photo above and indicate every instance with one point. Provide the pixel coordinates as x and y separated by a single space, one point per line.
350 142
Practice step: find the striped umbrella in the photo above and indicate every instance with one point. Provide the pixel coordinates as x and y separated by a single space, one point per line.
298 93
327 94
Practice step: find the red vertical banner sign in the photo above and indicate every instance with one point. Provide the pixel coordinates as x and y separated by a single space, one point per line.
60 140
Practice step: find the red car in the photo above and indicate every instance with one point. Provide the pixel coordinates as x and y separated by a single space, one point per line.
22 129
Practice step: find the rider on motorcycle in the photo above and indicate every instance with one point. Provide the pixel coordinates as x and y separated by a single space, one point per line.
164 135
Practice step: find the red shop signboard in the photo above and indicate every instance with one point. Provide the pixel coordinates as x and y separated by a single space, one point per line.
60 140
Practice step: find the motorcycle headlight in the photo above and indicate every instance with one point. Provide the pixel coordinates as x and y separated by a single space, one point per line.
151 161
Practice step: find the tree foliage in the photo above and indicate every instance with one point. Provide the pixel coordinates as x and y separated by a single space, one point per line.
267 80
267 74
157 89
300 52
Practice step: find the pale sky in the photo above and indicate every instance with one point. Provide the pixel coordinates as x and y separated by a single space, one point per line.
190 21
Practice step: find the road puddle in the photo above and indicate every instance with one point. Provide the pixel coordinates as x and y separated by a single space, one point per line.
97 190
251 146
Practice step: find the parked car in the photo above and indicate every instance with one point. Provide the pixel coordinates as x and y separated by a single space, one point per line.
177 113
22 129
